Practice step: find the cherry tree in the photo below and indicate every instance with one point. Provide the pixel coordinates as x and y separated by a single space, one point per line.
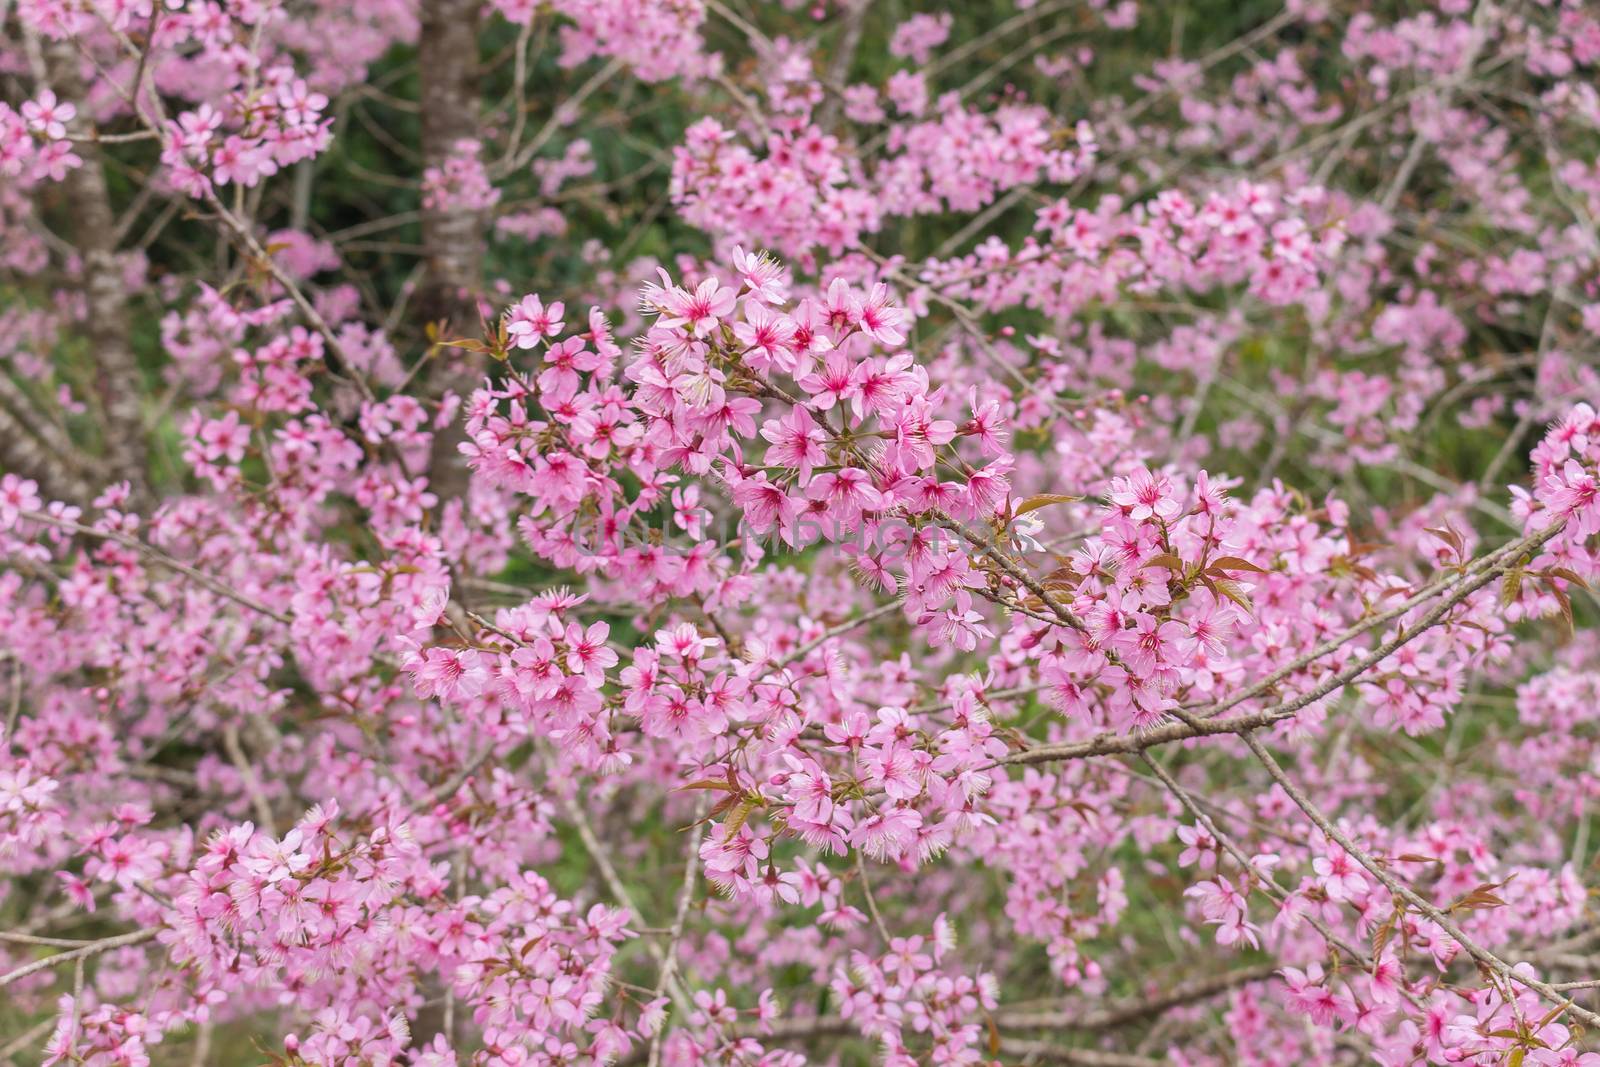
734 533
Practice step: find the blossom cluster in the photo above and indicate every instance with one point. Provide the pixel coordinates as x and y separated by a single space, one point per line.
695 533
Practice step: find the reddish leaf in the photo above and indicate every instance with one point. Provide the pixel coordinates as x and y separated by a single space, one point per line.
1034 503
1234 563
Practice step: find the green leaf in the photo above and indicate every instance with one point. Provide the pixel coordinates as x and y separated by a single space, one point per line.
1229 589
1510 588
741 813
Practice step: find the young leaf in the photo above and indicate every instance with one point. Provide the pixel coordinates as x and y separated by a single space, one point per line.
1451 538
1480 898
1034 503
1234 563
1566 574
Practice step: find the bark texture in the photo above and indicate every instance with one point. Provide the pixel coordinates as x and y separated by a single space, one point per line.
447 56
452 239
93 225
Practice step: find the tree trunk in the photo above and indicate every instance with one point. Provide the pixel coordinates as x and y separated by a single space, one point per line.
117 385
452 238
